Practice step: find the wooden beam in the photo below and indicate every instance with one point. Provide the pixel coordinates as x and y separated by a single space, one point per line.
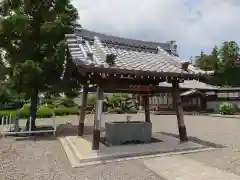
179 112
83 110
146 108
97 119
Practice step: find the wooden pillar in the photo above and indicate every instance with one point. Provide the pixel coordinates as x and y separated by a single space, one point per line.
140 102
179 112
83 110
203 103
146 108
97 119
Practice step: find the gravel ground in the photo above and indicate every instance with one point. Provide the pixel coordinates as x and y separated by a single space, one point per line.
46 160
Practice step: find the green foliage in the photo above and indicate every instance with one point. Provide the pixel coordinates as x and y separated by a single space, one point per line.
114 101
225 61
67 102
91 100
32 35
62 111
3 69
207 62
117 110
226 109
43 112
119 103
7 94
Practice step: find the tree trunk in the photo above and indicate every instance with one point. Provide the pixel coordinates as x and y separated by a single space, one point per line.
33 111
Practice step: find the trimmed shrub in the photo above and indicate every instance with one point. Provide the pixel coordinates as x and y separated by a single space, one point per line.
47 101
91 100
4 113
226 109
132 111
67 102
44 112
50 106
62 111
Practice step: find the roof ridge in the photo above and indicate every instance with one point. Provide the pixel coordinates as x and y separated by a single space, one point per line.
121 40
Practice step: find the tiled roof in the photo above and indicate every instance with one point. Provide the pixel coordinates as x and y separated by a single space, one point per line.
192 92
89 35
191 84
92 49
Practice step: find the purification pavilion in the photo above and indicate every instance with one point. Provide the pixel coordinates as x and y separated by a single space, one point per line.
116 64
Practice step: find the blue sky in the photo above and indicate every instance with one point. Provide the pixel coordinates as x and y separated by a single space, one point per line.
194 24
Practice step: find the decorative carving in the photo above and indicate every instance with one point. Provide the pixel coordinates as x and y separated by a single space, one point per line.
140 87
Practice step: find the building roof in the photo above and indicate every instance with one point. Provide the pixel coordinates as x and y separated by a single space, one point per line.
191 93
96 50
191 84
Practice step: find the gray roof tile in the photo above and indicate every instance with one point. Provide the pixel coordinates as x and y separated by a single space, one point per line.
89 35
191 84
130 54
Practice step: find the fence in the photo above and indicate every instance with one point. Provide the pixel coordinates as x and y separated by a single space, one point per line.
10 126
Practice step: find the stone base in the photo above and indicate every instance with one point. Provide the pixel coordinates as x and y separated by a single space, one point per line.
118 133
79 150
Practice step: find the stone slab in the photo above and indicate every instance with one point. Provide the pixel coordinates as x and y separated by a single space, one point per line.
182 168
81 149
117 133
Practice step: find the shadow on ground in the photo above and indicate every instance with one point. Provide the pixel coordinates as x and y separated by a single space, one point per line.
196 140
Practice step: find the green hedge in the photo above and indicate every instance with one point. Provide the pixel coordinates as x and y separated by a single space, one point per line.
43 112
62 111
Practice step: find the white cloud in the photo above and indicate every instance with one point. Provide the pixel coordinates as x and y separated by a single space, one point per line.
195 25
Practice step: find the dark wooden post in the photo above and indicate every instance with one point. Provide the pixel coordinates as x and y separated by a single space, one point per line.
97 119
146 108
140 102
179 112
83 110
203 103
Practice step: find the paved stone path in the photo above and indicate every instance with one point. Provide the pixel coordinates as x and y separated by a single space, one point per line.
182 168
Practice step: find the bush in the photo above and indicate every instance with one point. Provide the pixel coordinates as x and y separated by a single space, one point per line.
50 106
44 112
62 111
91 100
132 111
116 110
4 113
47 101
67 102
226 109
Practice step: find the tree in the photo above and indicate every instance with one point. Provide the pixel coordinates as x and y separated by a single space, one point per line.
3 68
207 62
225 61
229 66
32 34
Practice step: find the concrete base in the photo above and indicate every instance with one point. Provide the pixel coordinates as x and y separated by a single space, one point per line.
79 150
118 133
